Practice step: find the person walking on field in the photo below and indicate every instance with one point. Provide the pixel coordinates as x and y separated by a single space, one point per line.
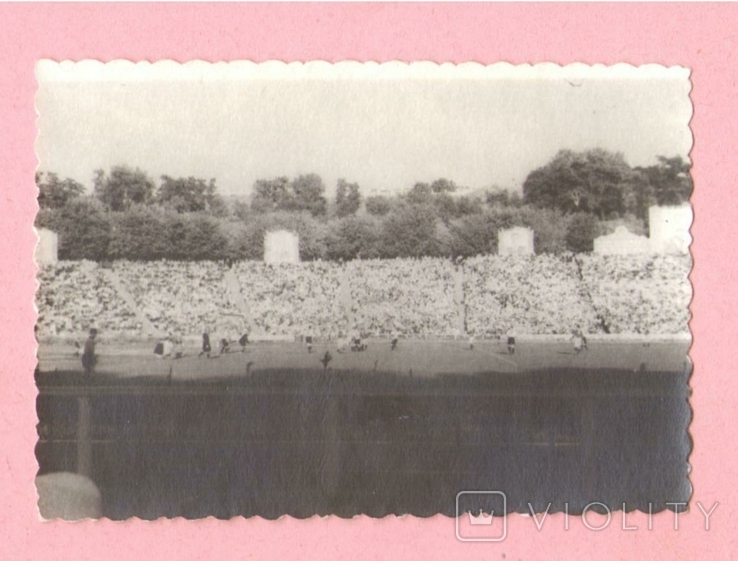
511 341
225 346
243 341
580 341
584 340
89 358
205 346
309 339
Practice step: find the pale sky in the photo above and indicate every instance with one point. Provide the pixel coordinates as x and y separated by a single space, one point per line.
382 126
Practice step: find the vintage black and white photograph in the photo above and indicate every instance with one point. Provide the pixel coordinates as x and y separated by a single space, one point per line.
355 288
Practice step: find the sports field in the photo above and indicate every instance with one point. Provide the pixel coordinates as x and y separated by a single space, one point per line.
268 431
417 358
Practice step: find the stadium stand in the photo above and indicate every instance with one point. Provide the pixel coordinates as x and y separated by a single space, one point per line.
289 299
179 298
413 297
74 295
536 294
639 293
485 296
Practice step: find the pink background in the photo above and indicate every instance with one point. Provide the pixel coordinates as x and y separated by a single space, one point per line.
703 37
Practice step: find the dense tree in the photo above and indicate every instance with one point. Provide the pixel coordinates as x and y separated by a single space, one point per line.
348 198
445 207
639 196
420 194
498 198
54 193
123 187
439 195
354 237
443 185
190 195
241 210
196 237
141 233
84 230
549 228
467 205
567 203
46 218
669 180
581 232
270 195
308 193
593 181
410 231
305 193
475 234
378 205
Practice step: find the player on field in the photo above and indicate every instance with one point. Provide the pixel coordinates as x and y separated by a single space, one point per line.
243 341
177 351
225 345
205 345
580 341
309 340
164 347
89 358
356 344
326 360
584 340
511 341
343 344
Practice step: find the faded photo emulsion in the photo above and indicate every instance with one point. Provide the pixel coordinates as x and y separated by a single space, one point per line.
382 289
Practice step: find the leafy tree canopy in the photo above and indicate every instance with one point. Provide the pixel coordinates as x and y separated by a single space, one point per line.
581 232
669 180
354 237
304 193
410 231
270 195
190 195
123 187
56 193
84 230
378 205
348 198
594 181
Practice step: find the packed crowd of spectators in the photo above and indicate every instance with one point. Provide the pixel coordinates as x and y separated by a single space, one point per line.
483 297
74 296
412 297
179 298
536 294
293 299
639 293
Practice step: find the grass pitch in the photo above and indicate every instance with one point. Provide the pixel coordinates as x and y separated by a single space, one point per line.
417 358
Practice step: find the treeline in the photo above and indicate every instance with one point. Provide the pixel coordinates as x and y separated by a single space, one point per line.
567 203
